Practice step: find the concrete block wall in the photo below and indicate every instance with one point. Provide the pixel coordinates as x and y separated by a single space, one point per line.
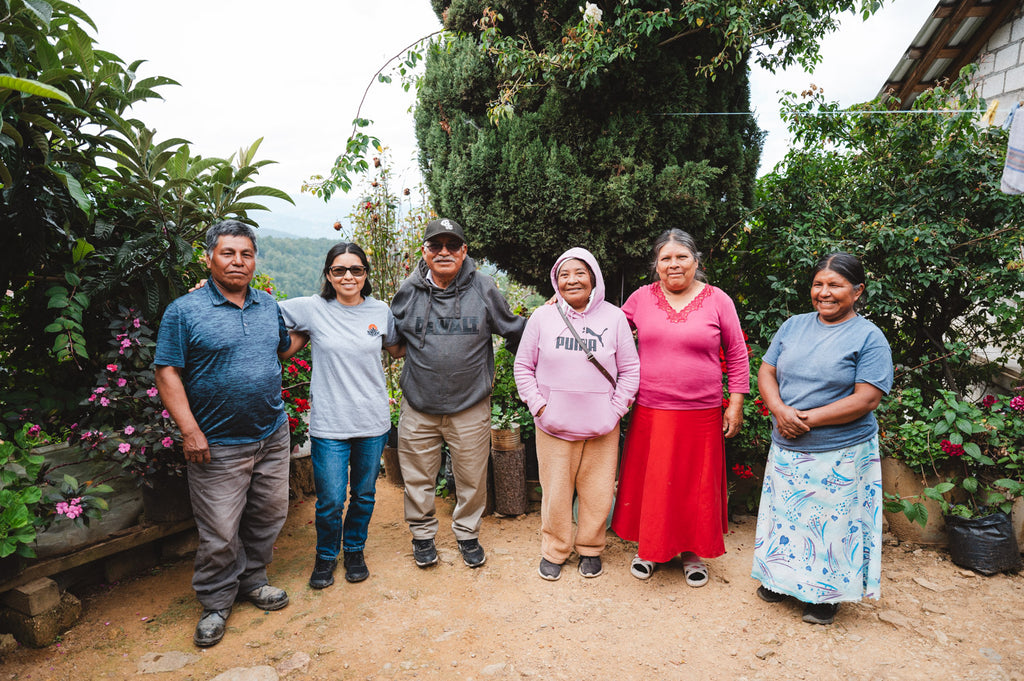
1000 72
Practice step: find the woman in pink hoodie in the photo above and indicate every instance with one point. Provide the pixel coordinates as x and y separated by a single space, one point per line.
576 406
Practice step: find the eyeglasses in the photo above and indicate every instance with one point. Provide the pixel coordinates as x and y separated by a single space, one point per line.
438 246
340 271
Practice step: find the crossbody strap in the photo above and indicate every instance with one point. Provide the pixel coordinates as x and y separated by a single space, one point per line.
579 341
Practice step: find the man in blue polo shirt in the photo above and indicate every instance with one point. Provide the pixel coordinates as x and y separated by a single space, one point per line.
219 376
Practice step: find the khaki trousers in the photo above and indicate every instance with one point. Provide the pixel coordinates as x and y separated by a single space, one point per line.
468 434
588 468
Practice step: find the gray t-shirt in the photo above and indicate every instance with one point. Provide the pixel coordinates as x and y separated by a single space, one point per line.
348 396
817 364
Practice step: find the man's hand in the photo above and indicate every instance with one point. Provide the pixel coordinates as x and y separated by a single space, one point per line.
196 448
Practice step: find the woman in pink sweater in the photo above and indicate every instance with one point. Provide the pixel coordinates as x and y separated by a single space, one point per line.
672 489
576 406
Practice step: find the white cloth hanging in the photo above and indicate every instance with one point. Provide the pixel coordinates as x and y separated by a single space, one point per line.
1013 170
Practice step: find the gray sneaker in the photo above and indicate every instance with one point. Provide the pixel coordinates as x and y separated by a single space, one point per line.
267 597
590 566
549 571
210 629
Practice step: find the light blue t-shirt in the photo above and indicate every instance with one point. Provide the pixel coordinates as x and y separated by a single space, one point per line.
348 395
817 364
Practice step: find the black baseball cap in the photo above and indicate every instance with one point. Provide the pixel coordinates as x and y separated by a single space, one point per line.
443 226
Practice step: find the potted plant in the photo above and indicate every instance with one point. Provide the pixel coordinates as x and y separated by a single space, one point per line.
511 420
976 451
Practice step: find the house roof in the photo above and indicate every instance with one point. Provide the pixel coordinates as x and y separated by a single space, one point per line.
952 36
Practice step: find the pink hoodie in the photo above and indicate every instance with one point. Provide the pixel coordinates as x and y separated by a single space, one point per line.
551 370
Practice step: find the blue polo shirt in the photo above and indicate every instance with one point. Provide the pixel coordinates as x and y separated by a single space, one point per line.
229 363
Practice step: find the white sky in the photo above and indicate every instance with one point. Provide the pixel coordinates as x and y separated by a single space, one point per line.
295 75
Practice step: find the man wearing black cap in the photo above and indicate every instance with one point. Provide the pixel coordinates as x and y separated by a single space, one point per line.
445 312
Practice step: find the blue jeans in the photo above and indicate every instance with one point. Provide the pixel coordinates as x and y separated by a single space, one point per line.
332 460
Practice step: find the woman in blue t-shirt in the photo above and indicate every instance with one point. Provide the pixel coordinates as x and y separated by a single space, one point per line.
819 526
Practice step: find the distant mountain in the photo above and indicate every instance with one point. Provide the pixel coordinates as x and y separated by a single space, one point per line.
294 263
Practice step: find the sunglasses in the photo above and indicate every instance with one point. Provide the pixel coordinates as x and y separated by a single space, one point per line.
438 246
340 271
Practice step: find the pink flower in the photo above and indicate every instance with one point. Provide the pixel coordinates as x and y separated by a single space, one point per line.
34 430
1017 403
136 323
111 367
128 430
165 414
124 448
126 343
101 389
92 398
988 400
122 382
167 441
104 402
153 392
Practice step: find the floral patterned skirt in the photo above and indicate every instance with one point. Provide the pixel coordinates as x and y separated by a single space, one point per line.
819 526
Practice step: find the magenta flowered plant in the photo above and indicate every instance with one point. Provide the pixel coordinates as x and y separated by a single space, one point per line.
126 421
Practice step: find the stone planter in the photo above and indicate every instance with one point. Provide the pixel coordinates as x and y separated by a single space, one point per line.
167 501
900 479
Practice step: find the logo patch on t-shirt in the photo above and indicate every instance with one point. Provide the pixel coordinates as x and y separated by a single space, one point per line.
372 331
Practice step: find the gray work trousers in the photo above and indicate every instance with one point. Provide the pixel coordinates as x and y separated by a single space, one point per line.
240 501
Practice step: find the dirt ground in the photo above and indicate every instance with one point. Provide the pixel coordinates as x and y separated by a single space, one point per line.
934 620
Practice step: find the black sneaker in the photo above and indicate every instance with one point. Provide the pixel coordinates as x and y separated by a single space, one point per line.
820 613
549 571
769 596
210 629
424 552
472 552
590 566
323 573
355 567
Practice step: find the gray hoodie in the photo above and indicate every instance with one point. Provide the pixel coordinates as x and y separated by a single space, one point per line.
449 358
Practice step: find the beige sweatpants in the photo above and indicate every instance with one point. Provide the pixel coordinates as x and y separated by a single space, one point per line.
468 434
588 468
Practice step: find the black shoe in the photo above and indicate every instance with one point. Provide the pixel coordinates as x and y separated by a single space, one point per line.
210 629
266 597
472 552
323 573
769 596
820 613
355 567
424 552
549 571
590 566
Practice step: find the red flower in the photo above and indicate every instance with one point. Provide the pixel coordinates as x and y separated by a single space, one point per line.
292 369
952 449
304 364
285 395
301 405
764 409
293 423
743 472
725 403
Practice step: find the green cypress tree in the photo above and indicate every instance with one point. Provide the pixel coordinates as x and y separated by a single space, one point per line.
598 159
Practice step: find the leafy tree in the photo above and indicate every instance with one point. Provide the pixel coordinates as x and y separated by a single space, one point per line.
80 234
917 198
541 126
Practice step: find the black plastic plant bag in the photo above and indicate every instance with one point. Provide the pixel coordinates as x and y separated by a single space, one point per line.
987 545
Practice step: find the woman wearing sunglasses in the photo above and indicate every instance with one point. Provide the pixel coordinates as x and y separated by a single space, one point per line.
349 419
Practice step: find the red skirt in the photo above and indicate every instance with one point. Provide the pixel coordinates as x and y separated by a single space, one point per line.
672 489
